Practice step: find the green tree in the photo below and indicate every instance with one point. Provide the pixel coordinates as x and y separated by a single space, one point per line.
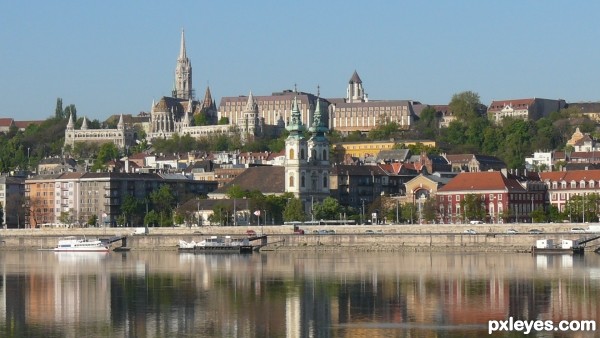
130 207
429 210
221 215
152 218
329 209
293 211
223 120
58 111
472 207
465 105
108 151
163 202
93 220
65 217
427 124
70 110
200 119
409 213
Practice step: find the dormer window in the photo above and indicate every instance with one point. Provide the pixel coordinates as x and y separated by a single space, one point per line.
582 184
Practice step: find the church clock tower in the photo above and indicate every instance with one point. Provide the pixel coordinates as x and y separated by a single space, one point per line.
183 74
307 162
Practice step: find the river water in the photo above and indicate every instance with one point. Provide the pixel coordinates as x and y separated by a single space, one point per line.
290 294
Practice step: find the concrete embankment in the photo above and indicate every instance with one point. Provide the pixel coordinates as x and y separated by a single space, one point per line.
487 238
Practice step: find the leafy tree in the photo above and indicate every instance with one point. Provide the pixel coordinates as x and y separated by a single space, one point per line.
223 120
108 151
70 110
465 105
93 220
383 131
220 215
429 210
200 119
294 211
65 217
409 213
330 208
163 201
58 111
539 215
152 218
427 124
130 207
472 207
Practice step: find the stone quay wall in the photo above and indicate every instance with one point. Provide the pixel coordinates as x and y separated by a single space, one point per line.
488 237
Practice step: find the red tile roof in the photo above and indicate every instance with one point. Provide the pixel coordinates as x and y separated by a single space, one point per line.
519 103
477 181
5 122
571 175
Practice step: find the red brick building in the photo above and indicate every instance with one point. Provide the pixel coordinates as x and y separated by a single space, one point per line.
504 199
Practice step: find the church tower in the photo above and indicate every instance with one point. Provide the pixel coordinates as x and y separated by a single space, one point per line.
318 149
307 162
183 74
355 92
296 154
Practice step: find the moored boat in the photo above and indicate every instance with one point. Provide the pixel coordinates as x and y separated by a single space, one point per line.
218 244
74 244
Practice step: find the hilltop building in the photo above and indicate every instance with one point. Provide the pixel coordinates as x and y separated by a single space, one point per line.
122 136
525 109
356 112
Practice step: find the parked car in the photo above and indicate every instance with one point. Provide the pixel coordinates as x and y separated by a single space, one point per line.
512 231
369 232
470 232
578 230
535 231
251 233
476 222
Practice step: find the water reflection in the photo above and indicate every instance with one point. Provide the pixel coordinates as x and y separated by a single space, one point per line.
160 294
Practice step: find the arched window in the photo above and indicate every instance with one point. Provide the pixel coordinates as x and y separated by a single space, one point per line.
325 182
314 154
324 158
291 155
302 181
302 154
291 181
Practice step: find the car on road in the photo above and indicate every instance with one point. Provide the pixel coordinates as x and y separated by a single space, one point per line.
578 230
476 222
251 233
470 232
535 231
369 232
512 231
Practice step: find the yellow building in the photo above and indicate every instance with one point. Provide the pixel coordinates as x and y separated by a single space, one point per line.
370 148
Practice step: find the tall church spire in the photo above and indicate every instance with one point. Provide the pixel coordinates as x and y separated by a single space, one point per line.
295 124
183 73
182 53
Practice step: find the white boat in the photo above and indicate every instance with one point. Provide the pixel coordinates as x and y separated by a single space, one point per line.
217 244
74 244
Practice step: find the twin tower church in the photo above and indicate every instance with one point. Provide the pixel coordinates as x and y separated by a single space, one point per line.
306 161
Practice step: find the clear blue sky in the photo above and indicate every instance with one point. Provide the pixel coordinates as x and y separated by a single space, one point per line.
110 57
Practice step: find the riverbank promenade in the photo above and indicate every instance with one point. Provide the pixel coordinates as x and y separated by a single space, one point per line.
430 237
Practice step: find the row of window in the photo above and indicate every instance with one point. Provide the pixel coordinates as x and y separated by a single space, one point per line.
573 184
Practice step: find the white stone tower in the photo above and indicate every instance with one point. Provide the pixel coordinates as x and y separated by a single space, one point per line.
355 91
183 73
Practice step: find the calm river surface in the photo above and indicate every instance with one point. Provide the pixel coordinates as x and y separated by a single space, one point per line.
291 294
